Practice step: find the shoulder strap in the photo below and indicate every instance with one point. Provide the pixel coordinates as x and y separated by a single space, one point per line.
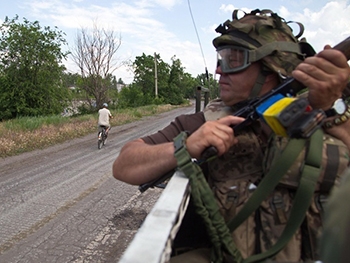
207 207
303 197
269 182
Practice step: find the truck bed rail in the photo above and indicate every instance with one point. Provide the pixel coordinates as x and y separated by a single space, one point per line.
153 241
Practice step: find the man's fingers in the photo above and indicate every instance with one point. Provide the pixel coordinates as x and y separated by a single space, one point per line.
325 75
231 120
213 133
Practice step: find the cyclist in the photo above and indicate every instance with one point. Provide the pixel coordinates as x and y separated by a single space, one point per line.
103 119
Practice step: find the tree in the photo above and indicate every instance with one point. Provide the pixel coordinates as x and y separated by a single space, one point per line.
132 96
189 84
31 69
173 83
94 54
144 78
70 80
144 74
120 81
181 84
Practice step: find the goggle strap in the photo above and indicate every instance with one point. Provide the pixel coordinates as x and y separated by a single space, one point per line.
267 49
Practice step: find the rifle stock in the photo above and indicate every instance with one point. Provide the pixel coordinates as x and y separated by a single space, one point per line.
344 47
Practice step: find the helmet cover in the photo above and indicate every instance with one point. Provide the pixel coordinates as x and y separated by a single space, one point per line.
268 36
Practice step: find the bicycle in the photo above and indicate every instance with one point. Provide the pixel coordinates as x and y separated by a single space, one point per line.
102 136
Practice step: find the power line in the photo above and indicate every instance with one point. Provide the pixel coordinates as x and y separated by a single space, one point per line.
200 45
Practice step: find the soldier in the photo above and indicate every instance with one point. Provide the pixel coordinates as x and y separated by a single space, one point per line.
255 53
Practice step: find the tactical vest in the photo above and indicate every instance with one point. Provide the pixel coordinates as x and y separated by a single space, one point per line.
235 175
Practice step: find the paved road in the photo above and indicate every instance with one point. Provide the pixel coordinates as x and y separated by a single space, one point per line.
62 204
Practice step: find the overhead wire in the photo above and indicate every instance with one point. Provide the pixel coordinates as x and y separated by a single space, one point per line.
199 41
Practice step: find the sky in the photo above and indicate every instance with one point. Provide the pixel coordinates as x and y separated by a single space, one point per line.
181 28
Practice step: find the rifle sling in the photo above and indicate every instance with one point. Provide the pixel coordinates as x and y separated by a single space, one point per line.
203 196
206 206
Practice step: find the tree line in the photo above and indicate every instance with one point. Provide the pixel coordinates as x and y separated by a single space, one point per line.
35 82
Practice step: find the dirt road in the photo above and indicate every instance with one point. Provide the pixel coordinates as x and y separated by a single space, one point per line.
62 204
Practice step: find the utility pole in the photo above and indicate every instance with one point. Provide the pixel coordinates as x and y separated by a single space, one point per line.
155 74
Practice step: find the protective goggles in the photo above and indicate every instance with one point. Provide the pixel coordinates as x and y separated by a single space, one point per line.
232 58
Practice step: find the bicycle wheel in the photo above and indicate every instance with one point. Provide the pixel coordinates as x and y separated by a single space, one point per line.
104 136
100 141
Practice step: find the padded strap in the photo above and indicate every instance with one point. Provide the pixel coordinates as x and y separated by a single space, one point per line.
270 181
303 197
331 170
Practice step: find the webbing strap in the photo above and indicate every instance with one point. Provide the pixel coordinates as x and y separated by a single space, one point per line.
303 197
257 86
206 206
330 173
269 48
270 181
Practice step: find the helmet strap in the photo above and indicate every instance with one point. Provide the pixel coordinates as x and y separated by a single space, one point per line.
258 85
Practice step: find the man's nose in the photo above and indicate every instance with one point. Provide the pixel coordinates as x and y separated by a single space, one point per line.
218 69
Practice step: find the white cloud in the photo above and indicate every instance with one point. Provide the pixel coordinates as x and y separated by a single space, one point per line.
329 25
228 9
148 26
168 4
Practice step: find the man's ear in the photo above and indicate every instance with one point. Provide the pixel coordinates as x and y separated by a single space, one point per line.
272 77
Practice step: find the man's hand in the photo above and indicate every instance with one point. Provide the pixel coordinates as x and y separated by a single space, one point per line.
326 75
213 133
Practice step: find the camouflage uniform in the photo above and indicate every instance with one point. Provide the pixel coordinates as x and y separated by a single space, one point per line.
234 176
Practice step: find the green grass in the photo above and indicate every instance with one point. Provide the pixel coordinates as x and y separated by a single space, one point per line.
29 133
33 123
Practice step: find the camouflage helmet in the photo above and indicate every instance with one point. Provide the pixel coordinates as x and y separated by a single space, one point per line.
268 38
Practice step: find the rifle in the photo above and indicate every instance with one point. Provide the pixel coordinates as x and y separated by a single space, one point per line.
289 88
156 182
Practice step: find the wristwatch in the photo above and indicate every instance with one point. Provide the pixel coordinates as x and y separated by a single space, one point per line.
339 107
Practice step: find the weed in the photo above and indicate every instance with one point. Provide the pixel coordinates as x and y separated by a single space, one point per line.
29 133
